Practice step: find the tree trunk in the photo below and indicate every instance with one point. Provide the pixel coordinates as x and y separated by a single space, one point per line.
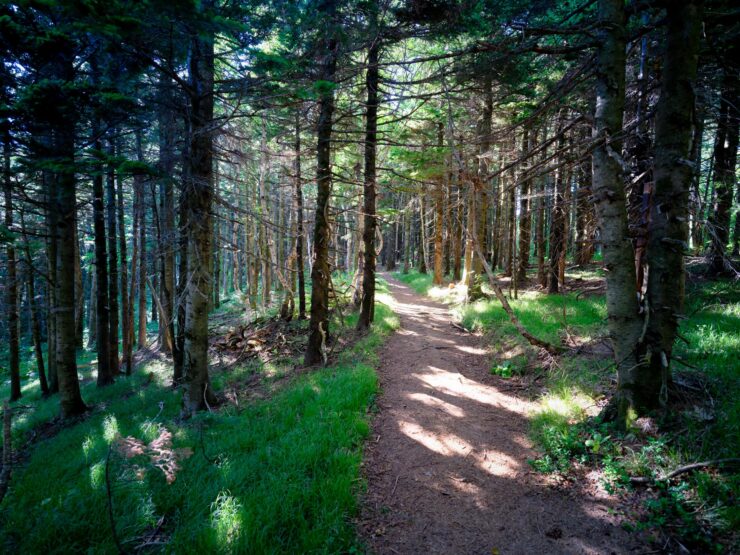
11 281
264 212
624 322
126 320
66 207
200 199
367 311
725 158
178 374
668 233
79 292
321 273
360 269
584 218
52 246
299 220
557 227
510 229
422 234
102 289
524 211
540 227
407 216
439 213
35 322
167 211
141 286
112 264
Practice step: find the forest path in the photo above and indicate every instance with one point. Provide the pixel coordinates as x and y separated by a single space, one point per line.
447 460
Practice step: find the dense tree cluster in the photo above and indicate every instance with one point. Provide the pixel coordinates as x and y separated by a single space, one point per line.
161 156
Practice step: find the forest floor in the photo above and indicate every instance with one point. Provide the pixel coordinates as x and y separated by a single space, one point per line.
447 462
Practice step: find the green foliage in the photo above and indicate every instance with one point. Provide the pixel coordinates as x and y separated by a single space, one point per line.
323 88
6 235
510 368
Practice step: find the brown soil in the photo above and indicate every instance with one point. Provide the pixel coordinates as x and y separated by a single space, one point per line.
447 463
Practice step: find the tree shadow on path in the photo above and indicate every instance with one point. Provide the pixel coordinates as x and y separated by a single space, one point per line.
447 460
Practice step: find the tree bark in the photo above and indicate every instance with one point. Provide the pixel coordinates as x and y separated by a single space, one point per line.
264 212
126 320
557 227
299 221
45 150
35 321
624 322
66 207
367 310
668 233
539 240
725 158
200 199
439 212
112 263
102 289
11 282
321 273
422 234
141 286
525 217
166 169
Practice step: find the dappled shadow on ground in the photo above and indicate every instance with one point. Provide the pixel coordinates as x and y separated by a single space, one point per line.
447 461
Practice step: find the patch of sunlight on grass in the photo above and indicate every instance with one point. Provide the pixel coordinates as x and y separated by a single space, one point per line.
87 446
385 298
97 475
226 518
569 403
110 428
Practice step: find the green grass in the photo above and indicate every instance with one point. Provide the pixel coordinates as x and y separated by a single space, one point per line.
284 477
421 283
546 316
701 509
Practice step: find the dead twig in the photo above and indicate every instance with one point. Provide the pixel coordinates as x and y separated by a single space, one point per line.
459 327
719 463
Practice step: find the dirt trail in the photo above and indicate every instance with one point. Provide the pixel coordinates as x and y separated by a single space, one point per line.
447 462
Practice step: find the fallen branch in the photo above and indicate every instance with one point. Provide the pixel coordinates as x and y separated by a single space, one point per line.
459 327
549 347
684 469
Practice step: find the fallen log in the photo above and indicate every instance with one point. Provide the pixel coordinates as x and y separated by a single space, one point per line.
549 347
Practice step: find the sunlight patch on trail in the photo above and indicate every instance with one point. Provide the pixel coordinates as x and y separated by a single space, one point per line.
436 403
448 445
458 385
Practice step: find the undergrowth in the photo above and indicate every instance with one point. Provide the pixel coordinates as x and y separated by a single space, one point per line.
280 475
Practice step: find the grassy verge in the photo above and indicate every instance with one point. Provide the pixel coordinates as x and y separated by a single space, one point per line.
698 510
278 475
